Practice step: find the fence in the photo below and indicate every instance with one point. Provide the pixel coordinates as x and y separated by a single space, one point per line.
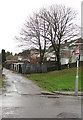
28 68
34 68
51 66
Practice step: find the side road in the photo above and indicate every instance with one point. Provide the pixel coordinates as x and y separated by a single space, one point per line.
21 98
18 83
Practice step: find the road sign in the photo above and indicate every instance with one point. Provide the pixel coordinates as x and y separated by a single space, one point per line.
77 50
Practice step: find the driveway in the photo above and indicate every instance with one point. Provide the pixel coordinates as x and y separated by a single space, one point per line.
21 98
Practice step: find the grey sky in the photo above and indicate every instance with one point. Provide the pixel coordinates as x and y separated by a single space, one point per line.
13 14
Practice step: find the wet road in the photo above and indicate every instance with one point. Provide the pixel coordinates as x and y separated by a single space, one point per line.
22 99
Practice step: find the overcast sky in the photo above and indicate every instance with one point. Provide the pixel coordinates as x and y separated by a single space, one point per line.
13 14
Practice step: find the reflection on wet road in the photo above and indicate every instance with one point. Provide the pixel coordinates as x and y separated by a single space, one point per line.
22 99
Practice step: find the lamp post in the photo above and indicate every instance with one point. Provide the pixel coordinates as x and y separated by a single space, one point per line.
77 71
77 53
77 77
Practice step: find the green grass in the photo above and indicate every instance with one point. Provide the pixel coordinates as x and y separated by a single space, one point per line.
63 80
1 80
0 83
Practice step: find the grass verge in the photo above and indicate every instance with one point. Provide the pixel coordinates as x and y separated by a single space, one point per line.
0 83
63 80
1 80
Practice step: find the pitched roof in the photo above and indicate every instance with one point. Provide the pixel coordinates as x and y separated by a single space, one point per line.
76 42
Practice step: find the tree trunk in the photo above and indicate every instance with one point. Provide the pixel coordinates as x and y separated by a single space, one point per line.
41 61
58 62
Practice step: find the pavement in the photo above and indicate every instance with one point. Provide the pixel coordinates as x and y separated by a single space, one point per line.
21 98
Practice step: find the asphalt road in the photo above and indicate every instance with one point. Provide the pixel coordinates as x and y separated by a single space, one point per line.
21 98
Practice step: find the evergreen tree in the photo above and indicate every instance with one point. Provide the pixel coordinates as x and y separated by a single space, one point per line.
3 57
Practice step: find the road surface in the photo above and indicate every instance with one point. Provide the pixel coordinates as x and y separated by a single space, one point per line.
21 98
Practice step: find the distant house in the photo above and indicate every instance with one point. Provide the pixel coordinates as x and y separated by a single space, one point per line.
74 46
67 51
20 58
34 53
50 56
9 62
64 54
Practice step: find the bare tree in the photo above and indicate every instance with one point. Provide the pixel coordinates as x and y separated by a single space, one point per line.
53 25
61 27
32 34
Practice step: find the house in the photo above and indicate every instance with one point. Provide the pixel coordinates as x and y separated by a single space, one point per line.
9 62
34 53
67 51
64 54
75 45
50 56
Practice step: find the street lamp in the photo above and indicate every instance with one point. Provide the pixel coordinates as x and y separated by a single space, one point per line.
77 53
77 76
